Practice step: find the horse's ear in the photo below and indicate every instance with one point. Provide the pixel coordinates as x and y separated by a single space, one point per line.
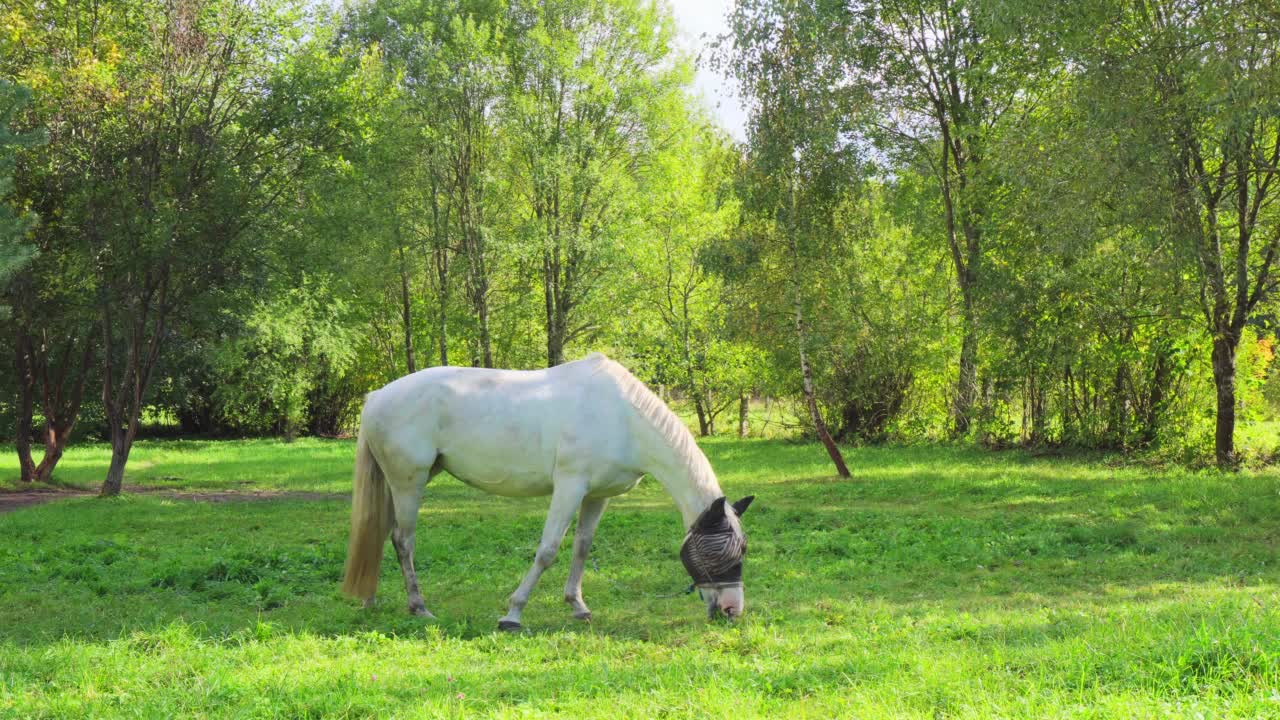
742 505
713 516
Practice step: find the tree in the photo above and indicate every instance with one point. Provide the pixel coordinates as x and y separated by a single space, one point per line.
943 73
1087 309
387 169
15 254
179 180
1195 87
14 221
690 209
51 355
802 161
587 80
167 153
469 69
270 369
447 62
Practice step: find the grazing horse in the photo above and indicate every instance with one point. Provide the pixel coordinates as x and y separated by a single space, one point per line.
581 432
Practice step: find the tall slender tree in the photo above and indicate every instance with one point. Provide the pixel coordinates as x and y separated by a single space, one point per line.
586 78
802 158
469 71
943 73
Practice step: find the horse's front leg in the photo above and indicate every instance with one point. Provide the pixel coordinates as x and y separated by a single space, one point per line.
564 500
588 520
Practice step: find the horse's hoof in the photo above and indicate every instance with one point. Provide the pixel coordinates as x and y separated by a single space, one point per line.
582 615
509 626
422 613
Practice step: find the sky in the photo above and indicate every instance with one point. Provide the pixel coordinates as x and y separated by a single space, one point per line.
696 18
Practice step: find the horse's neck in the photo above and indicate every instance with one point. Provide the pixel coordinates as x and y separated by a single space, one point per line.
687 477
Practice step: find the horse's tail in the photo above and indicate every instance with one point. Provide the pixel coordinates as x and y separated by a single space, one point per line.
371 519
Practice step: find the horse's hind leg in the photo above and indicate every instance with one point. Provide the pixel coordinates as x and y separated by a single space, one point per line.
406 501
588 520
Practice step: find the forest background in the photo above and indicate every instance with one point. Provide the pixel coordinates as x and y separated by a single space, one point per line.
1003 223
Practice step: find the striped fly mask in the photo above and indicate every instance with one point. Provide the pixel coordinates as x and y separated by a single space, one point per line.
713 552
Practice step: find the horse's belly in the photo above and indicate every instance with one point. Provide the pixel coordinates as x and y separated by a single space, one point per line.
511 482
616 484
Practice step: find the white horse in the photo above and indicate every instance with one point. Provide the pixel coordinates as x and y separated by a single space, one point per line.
581 432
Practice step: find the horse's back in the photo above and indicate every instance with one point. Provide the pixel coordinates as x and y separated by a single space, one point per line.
506 431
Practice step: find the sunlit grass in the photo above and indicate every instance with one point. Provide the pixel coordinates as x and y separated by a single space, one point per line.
1260 439
940 582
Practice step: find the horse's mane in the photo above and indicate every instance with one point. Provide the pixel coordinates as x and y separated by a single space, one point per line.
667 424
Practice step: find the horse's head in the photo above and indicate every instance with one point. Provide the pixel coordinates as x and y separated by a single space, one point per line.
713 552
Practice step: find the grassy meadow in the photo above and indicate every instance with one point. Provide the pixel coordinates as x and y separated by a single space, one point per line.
940 583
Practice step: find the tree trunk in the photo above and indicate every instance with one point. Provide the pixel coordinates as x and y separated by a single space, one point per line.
556 300
967 382
704 425
60 404
1037 416
1033 412
406 313
444 333
1161 377
440 281
470 227
123 403
743 409
964 258
121 444
122 435
555 334
26 390
555 349
691 386
440 263
1224 378
486 342
55 442
479 286
806 376
555 330
290 427
1118 413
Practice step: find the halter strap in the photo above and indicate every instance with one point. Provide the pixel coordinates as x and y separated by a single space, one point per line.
718 585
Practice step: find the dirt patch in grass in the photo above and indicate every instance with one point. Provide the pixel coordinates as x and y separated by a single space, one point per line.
10 501
217 496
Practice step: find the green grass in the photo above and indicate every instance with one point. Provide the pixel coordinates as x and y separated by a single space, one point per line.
1261 439
940 582
309 464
